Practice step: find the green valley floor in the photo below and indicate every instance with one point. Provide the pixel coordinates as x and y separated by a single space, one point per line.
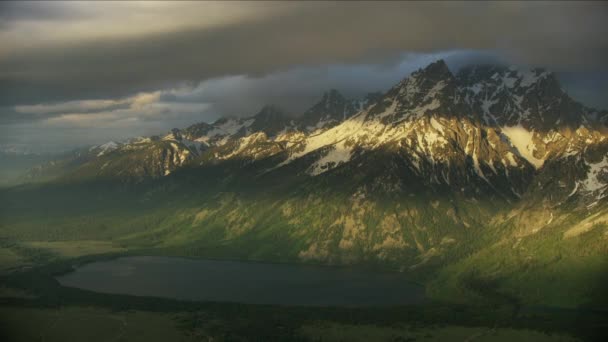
34 307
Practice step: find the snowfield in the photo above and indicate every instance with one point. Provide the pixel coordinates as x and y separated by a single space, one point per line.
522 140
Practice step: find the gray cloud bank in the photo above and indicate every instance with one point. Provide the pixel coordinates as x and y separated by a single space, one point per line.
561 35
76 73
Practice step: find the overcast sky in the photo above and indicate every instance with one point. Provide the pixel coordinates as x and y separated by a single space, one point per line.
76 73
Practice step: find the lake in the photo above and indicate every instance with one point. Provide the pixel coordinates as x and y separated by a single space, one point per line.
244 282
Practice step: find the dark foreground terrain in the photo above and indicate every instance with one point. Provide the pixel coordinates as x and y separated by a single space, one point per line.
35 307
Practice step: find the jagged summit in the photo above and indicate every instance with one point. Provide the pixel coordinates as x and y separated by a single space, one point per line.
425 92
513 75
435 71
329 111
425 78
270 120
473 74
510 96
492 94
331 101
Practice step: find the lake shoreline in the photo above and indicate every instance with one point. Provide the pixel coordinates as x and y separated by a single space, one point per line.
39 281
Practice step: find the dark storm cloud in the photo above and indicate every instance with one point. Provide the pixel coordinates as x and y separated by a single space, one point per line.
11 12
74 73
559 35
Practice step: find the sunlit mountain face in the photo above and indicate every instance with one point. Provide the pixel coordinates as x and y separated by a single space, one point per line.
303 171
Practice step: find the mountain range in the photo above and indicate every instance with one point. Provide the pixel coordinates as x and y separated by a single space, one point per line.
493 171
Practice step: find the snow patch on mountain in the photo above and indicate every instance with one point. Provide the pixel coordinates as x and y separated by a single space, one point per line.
349 128
522 140
478 170
337 155
194 146
420 111
224 131
530 77
436 125
105 148
245 143
594 181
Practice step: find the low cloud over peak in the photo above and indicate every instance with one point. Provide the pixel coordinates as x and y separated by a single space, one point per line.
209 59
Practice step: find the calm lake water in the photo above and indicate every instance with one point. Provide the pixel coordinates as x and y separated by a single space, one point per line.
244 282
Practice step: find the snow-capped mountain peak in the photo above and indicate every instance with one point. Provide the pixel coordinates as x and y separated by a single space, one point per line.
489 128
509 96
105 148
